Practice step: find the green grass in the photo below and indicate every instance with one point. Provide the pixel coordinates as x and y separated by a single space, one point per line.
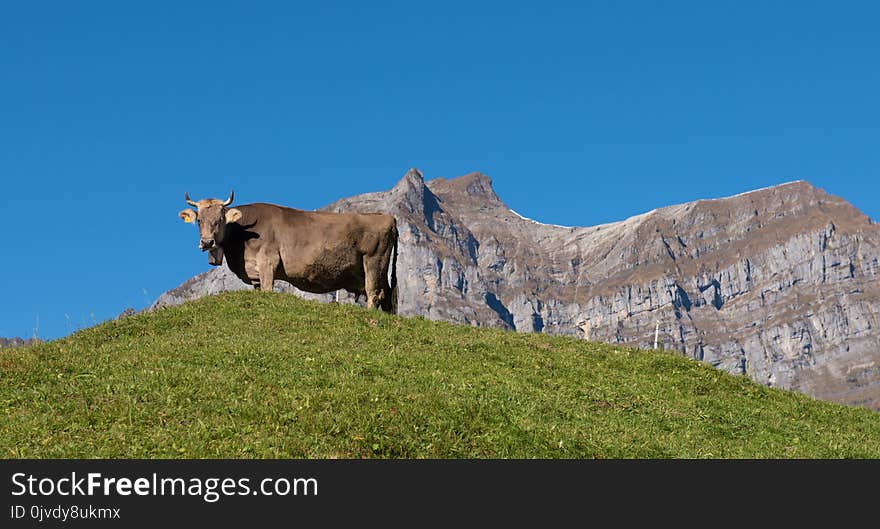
258 375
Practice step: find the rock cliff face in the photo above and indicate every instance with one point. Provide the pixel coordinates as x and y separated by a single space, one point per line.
780 284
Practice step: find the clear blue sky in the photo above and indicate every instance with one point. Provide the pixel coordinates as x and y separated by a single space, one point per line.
581 112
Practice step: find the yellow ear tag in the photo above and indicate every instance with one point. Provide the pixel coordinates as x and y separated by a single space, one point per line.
187 219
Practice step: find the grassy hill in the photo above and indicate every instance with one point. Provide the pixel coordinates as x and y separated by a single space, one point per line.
252 374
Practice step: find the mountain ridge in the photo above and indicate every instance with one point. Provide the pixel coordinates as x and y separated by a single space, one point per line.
6 343
778 283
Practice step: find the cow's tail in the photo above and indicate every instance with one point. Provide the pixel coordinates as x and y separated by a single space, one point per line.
393 281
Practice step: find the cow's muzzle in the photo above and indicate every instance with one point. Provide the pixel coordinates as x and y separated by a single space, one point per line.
205 245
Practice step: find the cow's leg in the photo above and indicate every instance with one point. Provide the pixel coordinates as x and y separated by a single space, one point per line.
375 283
376 279
373 294
266 265
267 281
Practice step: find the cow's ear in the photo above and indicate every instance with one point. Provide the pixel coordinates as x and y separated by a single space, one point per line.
187 215
232 215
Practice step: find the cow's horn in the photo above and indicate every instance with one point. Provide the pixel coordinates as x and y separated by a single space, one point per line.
231 196
189 200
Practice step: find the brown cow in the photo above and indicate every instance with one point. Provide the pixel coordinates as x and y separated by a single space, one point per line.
314 251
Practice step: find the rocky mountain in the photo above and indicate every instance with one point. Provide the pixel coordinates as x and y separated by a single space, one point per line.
16 342
779 284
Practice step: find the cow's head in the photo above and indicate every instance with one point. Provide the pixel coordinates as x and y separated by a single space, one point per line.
212 215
